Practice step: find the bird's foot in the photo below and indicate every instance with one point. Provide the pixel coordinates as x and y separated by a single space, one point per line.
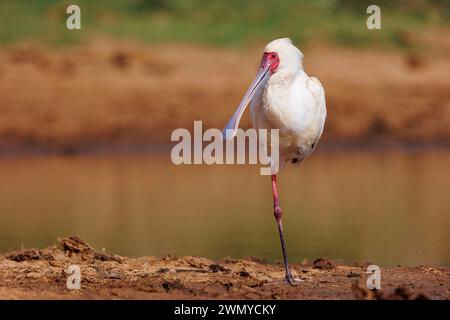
292 281
289 279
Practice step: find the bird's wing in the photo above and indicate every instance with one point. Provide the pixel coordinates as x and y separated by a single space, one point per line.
310 119
315 87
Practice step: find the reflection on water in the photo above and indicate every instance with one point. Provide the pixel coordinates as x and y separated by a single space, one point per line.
386 208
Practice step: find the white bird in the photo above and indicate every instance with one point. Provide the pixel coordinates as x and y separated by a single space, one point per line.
284 97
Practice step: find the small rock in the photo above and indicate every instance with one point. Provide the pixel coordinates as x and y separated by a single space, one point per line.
171 285
106 257
324 263
244 274
353 275
217 268
24 255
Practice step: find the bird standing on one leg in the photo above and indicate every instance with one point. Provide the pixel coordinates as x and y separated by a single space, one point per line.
284 97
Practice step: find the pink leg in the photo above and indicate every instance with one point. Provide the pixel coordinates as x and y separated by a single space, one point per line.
278 213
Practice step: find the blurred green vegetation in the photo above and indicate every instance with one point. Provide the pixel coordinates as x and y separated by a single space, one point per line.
230 22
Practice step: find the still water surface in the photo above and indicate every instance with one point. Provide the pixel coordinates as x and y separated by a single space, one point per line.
387 208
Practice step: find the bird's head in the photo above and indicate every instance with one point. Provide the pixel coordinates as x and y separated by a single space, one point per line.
279 55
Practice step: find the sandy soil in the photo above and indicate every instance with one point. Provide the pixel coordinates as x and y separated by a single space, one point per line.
42 274
116 93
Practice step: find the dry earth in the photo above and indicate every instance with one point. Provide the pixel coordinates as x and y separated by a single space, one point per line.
42 274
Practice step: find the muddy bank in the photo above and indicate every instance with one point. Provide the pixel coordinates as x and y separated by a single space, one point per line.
113 93
42 274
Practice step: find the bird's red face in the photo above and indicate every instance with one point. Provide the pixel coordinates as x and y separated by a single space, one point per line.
271 61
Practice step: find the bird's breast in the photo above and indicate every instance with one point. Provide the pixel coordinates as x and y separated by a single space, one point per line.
291 107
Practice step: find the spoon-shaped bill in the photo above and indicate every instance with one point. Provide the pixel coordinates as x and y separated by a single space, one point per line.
261 77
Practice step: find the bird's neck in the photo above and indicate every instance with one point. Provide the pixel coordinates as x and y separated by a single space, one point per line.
285 77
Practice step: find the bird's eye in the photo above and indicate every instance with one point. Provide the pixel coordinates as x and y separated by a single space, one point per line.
273 56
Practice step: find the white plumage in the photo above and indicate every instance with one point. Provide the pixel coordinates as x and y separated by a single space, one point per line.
284 97
292 102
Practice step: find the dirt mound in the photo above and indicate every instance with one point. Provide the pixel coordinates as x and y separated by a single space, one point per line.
43 274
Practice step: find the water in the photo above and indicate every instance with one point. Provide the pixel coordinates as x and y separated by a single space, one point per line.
386 208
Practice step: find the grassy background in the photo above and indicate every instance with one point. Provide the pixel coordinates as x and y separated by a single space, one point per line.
225 23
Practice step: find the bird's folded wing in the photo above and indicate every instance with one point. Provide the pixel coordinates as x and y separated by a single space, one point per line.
316 89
